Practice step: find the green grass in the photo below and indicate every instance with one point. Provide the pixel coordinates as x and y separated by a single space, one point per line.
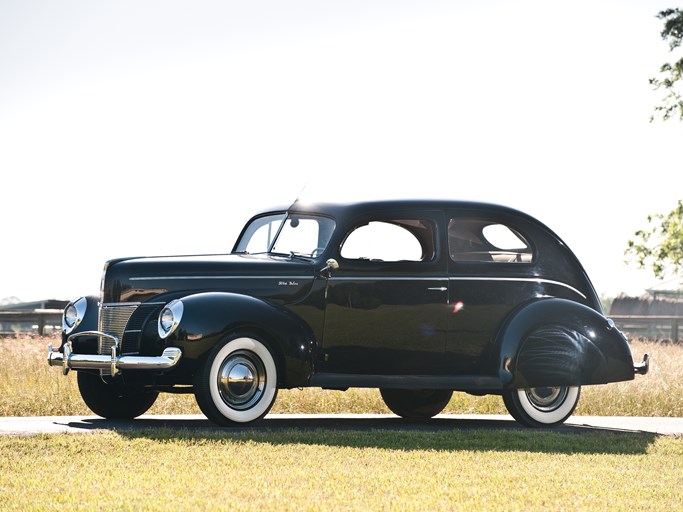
342 470
28 387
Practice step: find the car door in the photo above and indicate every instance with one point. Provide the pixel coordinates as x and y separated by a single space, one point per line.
386 303
491 271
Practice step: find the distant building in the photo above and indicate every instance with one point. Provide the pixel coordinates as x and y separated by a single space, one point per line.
663 299
38 304
668 289
647 306
653 316
41 316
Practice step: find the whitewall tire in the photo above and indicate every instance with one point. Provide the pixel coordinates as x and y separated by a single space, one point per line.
543 406
238 382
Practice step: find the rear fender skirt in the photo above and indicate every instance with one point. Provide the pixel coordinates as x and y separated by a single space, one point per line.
209 317
557 342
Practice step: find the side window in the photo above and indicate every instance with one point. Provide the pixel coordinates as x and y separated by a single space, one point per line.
305 236
391 240
483 240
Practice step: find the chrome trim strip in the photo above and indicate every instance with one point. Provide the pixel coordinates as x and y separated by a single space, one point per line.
95 333
389 278
158 278
361 278
123 304
522 279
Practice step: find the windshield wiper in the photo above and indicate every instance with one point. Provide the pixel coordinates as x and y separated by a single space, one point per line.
291 255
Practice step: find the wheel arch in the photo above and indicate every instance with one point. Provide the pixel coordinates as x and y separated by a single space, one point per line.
210 317
558 342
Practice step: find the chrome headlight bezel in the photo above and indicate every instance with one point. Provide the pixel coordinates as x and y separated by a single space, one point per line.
169 318
73 314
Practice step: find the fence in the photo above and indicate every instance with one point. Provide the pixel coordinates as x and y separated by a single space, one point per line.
42 321
650 327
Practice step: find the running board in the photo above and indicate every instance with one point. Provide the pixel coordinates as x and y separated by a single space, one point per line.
456 383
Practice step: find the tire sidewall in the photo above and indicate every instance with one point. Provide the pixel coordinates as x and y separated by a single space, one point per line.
260 408
416 404
558 415
111 400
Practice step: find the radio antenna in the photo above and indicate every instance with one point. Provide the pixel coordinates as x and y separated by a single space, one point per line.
300 193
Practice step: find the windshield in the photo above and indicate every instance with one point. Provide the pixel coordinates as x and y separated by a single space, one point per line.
291 235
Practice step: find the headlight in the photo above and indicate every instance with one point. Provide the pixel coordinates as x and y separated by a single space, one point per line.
169 318
73 314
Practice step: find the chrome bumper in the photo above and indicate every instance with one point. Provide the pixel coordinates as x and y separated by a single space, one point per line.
644 367
109 363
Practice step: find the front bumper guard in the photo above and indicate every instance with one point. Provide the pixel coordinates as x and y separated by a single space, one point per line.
109 363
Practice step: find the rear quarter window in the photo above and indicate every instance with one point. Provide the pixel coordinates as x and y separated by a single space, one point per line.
487 241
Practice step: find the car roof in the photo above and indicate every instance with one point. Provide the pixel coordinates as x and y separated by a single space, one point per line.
337 209
348 210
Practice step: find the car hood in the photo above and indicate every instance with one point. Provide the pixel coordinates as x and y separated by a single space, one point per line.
162 278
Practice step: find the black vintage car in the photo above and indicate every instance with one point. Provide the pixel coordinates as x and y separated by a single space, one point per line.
416 298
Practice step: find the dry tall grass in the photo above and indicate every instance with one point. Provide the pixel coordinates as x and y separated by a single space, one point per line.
29 387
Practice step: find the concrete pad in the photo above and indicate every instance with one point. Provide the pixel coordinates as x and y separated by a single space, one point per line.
362 422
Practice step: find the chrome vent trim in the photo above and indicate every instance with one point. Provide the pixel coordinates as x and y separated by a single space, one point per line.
112 320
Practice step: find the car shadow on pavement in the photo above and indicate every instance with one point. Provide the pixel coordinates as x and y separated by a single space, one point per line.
389 432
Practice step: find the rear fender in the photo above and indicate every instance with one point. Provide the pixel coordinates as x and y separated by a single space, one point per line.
557 342
209 317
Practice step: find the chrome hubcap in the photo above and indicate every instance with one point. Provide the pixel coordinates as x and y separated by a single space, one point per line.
547 399
241 380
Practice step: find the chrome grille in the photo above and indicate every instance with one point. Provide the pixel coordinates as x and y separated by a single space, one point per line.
146 312
113 320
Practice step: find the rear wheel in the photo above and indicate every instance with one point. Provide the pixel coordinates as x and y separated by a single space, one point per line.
114 401
238 382
416 404
542 407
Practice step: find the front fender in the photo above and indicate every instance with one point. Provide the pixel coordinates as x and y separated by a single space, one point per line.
557 342
86 344
209 317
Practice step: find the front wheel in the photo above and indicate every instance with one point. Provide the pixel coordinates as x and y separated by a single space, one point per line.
238 382
416 404
542 407
114 401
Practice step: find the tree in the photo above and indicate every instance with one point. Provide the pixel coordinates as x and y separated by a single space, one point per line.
672 33
660 247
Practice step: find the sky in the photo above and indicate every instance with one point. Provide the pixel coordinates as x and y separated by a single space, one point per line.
134 128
